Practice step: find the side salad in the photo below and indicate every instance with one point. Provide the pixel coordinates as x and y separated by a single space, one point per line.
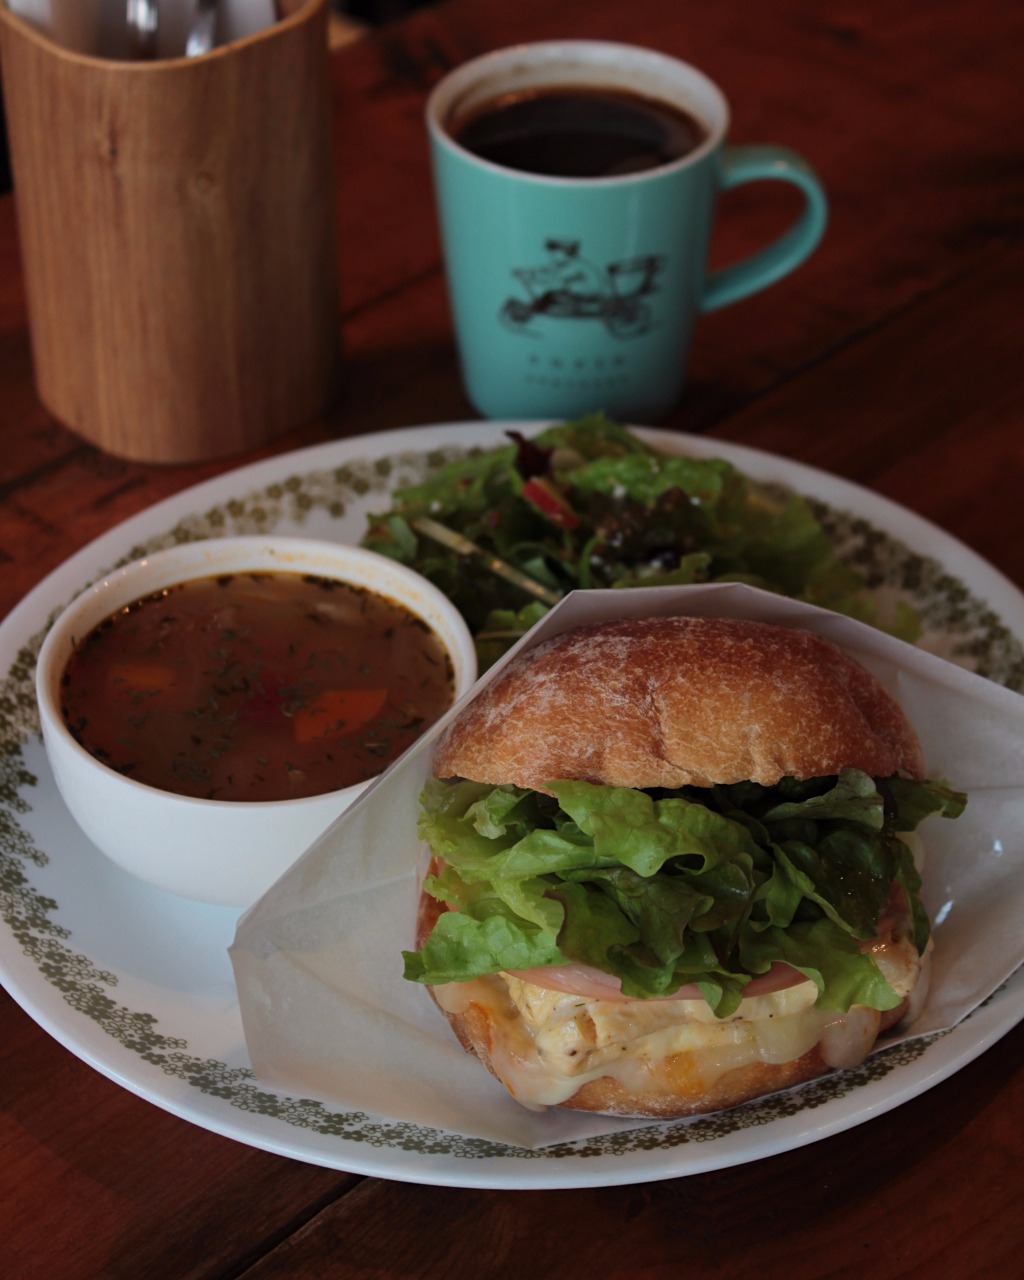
506 532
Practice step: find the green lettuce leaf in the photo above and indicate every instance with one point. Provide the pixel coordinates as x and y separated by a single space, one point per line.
484 940
665 888
914 801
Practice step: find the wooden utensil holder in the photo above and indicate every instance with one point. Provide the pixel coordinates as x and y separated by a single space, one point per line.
177 224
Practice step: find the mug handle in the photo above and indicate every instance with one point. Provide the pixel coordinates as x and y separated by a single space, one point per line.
753 164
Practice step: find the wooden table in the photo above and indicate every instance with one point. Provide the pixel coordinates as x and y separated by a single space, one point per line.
894 358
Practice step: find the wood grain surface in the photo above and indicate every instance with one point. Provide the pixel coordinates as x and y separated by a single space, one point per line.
895 358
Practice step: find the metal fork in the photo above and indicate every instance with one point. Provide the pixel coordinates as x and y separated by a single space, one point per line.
143 24
202 35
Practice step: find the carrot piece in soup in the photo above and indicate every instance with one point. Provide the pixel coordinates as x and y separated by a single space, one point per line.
133 678
337 711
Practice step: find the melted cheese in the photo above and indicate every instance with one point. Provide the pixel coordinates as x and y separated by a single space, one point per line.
548 1043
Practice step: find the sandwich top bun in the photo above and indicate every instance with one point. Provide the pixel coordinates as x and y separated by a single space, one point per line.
672 702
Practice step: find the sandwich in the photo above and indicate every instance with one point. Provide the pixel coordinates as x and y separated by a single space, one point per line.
673 866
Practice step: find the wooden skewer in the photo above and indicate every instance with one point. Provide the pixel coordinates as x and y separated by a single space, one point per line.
466 547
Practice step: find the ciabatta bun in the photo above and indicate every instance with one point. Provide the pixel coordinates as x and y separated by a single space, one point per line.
672 702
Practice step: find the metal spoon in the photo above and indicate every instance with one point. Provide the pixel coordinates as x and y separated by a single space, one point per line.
143 22
202 35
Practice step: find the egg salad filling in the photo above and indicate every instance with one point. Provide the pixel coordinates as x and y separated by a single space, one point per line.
547 1043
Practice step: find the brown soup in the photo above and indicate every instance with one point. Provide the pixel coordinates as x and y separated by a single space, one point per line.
256 686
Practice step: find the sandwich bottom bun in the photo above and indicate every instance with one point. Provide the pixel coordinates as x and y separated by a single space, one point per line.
674 704
659 1059
671 1086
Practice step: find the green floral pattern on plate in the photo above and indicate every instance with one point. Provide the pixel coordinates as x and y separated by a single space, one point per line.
970 633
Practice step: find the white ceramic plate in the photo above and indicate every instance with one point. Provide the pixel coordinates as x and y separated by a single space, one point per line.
137 982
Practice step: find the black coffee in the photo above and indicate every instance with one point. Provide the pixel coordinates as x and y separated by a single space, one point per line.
579 132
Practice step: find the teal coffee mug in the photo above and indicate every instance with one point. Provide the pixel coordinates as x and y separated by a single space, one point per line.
576 185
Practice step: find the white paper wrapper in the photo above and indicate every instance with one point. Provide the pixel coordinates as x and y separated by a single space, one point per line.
317 960
98 26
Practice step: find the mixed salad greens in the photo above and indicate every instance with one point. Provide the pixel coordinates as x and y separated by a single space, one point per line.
667 888
589 504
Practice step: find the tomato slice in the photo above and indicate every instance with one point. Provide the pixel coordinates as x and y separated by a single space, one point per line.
544 495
